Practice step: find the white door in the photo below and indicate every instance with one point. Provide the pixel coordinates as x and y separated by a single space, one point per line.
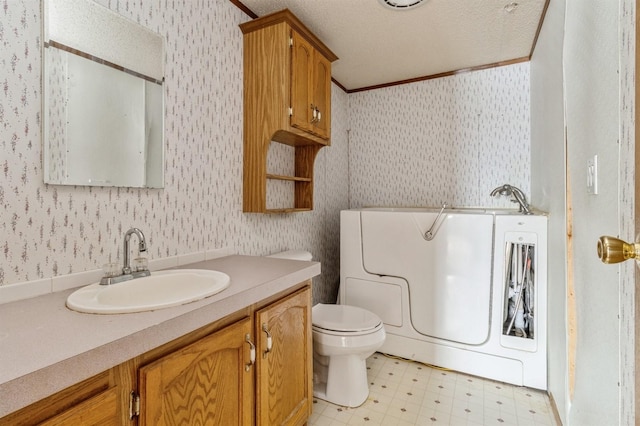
593 123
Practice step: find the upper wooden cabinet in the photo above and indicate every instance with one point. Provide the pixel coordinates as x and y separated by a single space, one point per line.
287 99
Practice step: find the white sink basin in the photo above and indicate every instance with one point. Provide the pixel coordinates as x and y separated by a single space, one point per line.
162 289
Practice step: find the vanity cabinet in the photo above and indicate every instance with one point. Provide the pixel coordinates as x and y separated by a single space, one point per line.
287 100
211 381
251 367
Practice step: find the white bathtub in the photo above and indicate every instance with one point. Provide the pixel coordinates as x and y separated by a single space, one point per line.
444 300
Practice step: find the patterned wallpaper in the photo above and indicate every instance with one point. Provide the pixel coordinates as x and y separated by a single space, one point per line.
450 139
48 230
55 114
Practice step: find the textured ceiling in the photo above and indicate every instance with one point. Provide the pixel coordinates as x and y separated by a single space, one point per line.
378 46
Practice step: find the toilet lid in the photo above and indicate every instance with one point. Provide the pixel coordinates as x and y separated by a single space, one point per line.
343 318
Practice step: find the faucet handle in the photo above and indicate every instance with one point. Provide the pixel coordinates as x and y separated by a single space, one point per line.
140 264
111 269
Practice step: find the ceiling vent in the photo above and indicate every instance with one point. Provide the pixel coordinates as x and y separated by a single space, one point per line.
401 4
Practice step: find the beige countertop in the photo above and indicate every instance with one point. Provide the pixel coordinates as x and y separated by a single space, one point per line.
45 347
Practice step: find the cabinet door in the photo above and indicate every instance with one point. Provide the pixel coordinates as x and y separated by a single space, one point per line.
284 374
204 383
301 77
322 95
101 410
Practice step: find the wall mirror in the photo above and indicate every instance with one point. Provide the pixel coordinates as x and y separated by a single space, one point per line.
103 98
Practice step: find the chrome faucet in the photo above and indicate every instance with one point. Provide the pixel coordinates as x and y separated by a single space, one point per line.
126 272
142 247
516 193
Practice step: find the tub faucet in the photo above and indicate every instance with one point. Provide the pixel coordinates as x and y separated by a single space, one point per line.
142 246
516 193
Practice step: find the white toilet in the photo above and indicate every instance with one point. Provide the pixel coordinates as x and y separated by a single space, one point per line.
343 338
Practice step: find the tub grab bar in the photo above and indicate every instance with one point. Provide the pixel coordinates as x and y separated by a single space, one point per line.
431 232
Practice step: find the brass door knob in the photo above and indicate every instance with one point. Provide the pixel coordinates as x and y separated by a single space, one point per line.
614 250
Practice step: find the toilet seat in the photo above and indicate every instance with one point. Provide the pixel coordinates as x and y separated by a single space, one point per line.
344 320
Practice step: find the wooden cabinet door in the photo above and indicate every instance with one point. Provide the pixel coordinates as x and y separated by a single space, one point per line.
322 95
101 410
301 77
204 383
310 89
284 393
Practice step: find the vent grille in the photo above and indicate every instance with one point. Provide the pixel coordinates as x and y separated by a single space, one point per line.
401 4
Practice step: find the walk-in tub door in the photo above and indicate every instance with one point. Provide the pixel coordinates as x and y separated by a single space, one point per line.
449 275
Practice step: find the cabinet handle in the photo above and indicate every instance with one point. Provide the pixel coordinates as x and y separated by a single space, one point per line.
252 353
319 115
314 113
269 341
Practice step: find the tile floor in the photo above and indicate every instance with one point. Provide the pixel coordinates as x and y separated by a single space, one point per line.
404 393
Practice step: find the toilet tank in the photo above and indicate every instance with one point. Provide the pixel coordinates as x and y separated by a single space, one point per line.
293 255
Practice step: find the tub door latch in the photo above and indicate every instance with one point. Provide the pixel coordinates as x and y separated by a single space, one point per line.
431 232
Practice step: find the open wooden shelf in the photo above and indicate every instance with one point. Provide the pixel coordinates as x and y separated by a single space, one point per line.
291 178
286 210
